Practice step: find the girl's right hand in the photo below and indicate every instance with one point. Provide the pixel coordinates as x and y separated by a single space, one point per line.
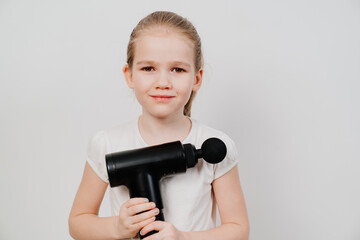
134 214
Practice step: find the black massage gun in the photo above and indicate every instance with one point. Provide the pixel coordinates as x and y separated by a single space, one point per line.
141 169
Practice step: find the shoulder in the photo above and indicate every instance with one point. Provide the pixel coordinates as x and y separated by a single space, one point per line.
204 132
107 141
114 138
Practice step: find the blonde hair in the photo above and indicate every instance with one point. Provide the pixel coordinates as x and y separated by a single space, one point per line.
170 20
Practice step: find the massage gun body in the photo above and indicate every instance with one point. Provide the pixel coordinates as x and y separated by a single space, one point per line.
141 169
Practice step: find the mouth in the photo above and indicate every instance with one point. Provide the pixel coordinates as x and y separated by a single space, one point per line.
162 98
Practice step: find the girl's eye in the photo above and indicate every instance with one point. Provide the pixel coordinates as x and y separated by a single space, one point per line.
178 70
148 69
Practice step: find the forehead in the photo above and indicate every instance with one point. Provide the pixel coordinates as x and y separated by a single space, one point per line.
164 31
163 44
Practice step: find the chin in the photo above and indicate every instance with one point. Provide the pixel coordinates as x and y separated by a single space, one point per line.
162 114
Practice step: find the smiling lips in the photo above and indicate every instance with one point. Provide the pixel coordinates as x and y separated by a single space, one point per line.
162 98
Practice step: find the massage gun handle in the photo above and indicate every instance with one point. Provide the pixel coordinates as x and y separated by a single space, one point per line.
145 184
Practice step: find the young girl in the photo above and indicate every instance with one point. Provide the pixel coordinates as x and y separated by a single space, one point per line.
164 68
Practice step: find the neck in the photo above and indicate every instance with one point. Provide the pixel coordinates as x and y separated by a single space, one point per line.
157 130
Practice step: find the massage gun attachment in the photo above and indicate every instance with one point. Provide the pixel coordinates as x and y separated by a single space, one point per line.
141 169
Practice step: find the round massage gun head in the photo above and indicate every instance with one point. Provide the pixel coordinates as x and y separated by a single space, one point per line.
213 150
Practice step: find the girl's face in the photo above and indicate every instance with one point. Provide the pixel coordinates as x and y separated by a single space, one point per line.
163 72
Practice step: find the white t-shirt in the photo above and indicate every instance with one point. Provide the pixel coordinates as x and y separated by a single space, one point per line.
187 197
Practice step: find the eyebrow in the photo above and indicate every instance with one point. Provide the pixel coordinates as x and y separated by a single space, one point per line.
147 62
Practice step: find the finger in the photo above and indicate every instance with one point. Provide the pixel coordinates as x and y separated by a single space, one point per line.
140 208
154 236
145 215
157 226
142 224
135 201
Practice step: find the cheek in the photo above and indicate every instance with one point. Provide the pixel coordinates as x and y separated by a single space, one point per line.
142 83
185 85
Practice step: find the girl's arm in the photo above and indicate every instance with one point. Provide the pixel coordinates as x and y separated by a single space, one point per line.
84 222
232 209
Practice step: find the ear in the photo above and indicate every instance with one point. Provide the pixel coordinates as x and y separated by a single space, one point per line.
128 76
198 80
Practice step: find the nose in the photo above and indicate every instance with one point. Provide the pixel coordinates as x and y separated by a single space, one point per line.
163 81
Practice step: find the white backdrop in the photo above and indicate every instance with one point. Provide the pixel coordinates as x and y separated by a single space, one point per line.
281 78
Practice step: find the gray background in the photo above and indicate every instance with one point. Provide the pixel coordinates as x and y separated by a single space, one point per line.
281 78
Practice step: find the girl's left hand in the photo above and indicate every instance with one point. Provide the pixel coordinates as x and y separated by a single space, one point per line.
166 231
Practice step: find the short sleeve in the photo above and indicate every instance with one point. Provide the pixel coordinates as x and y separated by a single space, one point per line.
96 151
230 159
